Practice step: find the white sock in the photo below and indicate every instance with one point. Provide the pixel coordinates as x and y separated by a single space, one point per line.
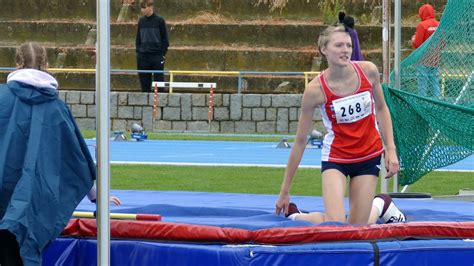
293 216
378 203
393 215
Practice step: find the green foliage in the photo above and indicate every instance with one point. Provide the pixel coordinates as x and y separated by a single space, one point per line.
364 19
330 9
88 134
273 4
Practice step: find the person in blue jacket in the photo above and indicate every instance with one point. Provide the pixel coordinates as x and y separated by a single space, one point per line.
45 166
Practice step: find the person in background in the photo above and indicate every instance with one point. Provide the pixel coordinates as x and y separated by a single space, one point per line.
353 109
151 45
426 27
427 70
45 166
349 23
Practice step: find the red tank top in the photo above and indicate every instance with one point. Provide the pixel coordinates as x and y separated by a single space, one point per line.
353 135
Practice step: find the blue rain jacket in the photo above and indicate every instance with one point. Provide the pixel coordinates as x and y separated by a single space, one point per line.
45 166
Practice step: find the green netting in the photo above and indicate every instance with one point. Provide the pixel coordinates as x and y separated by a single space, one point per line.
433 111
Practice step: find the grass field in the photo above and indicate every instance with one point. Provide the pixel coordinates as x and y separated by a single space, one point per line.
89 134
255 180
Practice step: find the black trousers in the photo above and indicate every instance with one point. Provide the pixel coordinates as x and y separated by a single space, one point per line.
150 62
9 250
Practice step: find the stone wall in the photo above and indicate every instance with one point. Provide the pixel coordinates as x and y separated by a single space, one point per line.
244 113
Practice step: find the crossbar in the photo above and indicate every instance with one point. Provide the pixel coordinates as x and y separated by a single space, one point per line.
204 85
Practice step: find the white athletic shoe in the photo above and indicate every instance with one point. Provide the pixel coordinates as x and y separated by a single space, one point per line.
390 212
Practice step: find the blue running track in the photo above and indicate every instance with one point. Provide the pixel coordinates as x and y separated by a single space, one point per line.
225 153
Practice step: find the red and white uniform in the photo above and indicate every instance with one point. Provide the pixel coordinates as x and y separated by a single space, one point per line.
353 135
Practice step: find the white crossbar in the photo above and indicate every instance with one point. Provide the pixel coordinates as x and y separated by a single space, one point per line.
203 85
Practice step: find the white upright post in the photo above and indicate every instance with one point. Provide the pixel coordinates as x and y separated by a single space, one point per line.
103 130
396 64
386 41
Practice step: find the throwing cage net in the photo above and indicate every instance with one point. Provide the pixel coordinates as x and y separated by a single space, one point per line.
433 110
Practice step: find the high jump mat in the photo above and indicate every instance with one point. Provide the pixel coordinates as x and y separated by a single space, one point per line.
202 228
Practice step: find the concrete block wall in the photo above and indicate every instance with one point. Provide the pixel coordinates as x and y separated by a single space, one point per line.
233 113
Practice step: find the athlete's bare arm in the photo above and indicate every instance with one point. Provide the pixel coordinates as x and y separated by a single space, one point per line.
383 118
312 98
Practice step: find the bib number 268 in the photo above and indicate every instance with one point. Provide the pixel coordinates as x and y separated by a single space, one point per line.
353 108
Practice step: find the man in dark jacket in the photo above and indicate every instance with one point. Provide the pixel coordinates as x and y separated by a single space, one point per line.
151 45
45 166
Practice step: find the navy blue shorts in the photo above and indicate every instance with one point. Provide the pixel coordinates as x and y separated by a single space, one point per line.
369 167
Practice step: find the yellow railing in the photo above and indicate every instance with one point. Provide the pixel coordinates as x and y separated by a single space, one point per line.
239 75
63 70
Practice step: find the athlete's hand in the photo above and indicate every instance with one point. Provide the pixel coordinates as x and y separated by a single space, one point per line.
114 200
391 162
282 204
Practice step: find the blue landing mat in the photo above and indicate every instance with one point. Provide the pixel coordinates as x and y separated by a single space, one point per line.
252 211
255 212
70 251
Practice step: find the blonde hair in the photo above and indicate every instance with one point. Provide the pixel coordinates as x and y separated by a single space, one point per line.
325 35
31 55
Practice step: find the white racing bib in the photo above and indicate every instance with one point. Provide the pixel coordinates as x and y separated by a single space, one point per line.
353 108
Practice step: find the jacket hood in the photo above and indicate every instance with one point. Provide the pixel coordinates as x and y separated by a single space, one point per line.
426 11
33 86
